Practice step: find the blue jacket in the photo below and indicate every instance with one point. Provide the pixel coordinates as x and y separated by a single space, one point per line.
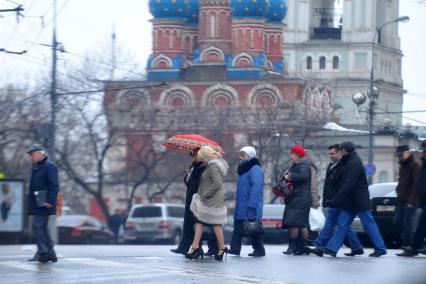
249 201
44 176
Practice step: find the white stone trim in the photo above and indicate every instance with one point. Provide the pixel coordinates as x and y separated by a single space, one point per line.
161 57
270 89
184 91
210 93
210 49
242 55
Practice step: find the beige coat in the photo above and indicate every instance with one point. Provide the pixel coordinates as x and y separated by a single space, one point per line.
208 205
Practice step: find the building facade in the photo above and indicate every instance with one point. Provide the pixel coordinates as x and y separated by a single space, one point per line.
332 40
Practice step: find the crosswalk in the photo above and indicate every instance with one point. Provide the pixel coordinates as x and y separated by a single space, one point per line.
123 270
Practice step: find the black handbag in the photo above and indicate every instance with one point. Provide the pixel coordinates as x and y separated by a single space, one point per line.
252 227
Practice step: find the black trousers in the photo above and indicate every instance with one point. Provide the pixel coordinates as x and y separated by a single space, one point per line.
42 235
237 237
404 221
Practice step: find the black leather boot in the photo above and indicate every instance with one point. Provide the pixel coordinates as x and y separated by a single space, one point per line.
301 247
291 247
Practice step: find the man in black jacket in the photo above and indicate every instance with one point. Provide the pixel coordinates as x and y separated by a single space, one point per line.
406 194
353 199
332 183
42 196
420 234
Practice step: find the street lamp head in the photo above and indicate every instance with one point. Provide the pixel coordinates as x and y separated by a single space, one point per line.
359 98
375 94
402 19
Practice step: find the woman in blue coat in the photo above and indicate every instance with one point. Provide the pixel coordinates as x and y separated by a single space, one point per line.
249 201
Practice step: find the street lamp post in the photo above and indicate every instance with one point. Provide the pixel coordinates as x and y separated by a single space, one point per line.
373 93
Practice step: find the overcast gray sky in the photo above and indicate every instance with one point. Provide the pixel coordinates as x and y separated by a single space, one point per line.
85 25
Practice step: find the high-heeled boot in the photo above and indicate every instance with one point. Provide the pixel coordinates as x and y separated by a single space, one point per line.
301 247
291 247
195 253
219 257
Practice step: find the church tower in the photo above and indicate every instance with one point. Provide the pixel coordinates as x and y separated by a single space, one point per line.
332 41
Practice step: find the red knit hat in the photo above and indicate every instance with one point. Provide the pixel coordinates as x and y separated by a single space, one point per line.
298 150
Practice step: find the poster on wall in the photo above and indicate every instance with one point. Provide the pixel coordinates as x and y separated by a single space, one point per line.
11 206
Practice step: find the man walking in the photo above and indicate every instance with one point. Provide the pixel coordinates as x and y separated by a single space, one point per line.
42 196
353 199
406 194
332 183
420 234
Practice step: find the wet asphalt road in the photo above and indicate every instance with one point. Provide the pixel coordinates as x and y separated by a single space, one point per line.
155 264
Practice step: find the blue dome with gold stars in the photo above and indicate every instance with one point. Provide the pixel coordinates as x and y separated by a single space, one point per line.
168 8
191 10
248 8
275 10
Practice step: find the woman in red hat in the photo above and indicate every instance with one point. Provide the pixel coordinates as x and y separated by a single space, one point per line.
296 213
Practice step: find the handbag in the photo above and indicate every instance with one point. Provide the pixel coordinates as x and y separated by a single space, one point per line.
283 189
252 227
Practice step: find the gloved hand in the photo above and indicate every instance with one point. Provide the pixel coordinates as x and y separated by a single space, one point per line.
251 213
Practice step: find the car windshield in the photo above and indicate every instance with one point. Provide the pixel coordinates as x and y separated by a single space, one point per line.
70 221
147 211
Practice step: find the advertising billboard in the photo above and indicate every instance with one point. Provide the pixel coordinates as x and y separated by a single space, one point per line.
12 196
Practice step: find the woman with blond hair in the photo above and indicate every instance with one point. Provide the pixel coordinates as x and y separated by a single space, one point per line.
208 205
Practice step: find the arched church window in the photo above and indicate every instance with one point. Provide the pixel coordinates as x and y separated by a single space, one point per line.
322 63
336 62
309 63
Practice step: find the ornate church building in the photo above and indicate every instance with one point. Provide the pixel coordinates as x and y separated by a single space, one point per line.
215 65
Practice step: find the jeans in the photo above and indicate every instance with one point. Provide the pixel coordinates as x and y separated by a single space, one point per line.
403 220
237 236
42 235
420 234
328 230
368 223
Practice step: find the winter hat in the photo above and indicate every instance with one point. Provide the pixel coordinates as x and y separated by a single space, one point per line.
249 150
348 146
401 149
298 150
34 148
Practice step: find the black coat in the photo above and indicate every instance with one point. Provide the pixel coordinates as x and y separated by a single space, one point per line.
333 182
44 176
192 181
421 187
353 194
296 212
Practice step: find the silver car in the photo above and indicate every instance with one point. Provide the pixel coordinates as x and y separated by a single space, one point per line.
155 222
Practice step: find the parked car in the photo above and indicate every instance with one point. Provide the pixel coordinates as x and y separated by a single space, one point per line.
383 205
154 223
272 225
82 229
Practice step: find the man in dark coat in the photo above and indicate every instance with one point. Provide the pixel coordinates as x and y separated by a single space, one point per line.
192 181
406 194
353 199
420 234
332 183
44 184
